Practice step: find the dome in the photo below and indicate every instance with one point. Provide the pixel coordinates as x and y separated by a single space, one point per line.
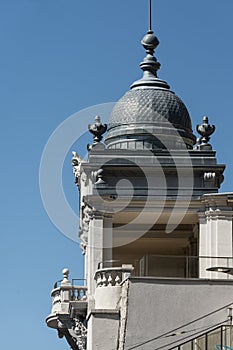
148 106
147 118
150 115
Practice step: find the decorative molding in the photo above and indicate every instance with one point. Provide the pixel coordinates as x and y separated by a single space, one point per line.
218 214
213 213
210 176
212 179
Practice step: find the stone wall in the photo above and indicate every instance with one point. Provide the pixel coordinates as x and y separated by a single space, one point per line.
165 312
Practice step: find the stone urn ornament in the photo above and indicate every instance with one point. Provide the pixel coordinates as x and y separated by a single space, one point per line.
205 130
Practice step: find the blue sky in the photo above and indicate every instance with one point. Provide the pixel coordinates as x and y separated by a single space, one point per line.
58 57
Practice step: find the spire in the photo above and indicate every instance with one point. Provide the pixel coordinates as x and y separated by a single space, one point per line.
150 16
150 65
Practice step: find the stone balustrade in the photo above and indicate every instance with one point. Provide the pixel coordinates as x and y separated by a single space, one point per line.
75 293
112 276
56 300
69 309
79 293
66 293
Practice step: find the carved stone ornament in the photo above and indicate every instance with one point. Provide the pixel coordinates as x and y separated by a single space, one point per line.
80 331
83 240
74 330
205 130
97 177
212 179
77 161
97 129
83 233
209 176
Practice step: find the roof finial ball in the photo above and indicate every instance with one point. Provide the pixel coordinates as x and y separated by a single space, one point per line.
65 273
150 41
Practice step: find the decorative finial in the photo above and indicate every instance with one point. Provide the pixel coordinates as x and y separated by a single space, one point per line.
150 65
65 273
150 42
97 129
205 130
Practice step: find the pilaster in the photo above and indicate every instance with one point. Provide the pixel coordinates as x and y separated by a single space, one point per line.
215 238
99 246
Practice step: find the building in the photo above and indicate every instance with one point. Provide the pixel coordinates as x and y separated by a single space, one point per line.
155 232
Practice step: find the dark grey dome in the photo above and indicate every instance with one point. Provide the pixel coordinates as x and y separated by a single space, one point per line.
150 118
150 115
150 105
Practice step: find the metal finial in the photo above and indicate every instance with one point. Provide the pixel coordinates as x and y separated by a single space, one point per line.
97 129
150 65
205 130
150 16
150 42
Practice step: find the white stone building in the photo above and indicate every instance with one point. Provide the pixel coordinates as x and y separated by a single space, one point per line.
155 232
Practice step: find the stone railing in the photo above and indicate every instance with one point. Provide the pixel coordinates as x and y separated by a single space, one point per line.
69 309
72 293
56 299
79 293
112 276
66 293
109 283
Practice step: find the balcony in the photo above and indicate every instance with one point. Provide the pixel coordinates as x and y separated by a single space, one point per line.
69 299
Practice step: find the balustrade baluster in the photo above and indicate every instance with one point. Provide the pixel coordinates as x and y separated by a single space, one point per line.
110 279
84 297
112 276
117 279
82 294
78 294
104 279
99 280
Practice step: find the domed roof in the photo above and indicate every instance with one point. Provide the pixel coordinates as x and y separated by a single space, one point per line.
149 106
150 115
